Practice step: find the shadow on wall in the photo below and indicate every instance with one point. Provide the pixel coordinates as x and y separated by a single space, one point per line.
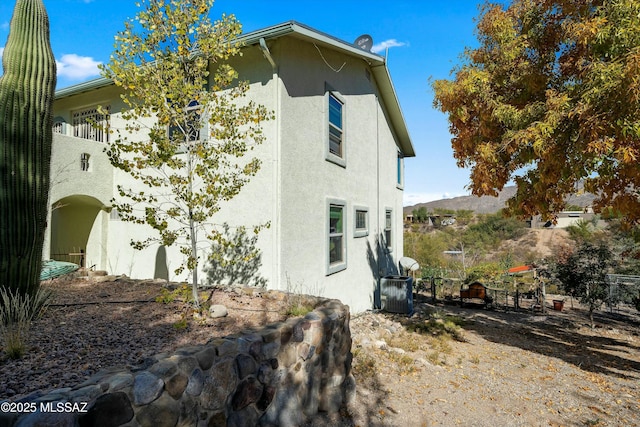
236 261
381 264
161 270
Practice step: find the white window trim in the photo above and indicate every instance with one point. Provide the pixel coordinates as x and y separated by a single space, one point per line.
338 266
203 132
400 171
329 156
388 242
360 232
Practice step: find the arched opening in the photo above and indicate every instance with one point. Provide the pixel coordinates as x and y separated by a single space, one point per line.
76 231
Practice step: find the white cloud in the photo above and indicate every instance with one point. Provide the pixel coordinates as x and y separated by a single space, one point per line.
77 67
1 51
5 25
382 46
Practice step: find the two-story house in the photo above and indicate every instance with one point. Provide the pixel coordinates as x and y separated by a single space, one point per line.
330 184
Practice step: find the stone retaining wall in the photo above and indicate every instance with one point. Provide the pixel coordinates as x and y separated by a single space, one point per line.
277 376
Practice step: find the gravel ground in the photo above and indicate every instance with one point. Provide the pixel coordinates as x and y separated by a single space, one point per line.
506 369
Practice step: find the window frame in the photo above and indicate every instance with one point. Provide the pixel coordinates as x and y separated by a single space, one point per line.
336 266
196 109
400 171
388 229
341 159
360 232
85 163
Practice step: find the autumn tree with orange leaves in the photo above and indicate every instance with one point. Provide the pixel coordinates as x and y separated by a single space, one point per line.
550 99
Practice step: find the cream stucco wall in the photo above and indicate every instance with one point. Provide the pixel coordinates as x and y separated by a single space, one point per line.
292 190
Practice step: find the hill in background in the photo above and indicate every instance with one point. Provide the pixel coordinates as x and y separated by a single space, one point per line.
488 204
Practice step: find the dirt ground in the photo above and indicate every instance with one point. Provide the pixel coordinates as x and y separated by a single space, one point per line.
505 369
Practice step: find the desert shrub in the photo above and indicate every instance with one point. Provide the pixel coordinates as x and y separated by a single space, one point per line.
17 311
181 293
364 364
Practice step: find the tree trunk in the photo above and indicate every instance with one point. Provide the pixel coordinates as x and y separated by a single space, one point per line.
26 97
194 254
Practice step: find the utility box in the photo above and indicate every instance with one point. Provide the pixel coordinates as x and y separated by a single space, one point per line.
396 294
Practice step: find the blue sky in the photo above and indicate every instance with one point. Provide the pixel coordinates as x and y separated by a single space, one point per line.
425 40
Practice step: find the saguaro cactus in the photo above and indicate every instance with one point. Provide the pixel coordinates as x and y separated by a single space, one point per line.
26 97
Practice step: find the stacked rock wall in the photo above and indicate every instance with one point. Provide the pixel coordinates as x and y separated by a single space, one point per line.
277 376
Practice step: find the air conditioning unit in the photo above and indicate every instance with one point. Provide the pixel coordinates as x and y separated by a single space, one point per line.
396 294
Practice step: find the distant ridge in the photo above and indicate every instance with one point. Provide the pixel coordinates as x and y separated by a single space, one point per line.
488 204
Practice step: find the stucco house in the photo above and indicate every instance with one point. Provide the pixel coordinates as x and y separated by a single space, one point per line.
330 184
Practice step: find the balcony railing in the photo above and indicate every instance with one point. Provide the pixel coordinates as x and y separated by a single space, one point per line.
90 123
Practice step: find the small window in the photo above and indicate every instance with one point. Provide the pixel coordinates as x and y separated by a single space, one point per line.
400 170
388 227
84 162
59 125
336 238
361 222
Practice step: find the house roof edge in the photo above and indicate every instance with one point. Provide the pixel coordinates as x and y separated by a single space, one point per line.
377 63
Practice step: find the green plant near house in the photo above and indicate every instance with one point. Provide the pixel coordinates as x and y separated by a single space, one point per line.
17 311
26 96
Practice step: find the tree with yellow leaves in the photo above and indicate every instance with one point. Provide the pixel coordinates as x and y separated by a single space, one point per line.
171 63
550 99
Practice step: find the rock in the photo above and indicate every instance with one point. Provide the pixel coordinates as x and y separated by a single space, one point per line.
248 392
58 419
246 366
176 385
381 344
206 357
196 382
101 279
97 273
218 310
146 388
163 412
108 409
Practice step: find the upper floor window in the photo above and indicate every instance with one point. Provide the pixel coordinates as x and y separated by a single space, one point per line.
91 123
190 130
335 125
400 170
336 134
59 125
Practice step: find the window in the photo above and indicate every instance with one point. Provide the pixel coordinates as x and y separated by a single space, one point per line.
59 125
388 224
400 170
190 130
335 135
361 222
91 123
336 237
84 162
335 125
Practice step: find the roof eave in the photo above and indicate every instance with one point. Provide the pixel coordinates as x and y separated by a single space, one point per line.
377 63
